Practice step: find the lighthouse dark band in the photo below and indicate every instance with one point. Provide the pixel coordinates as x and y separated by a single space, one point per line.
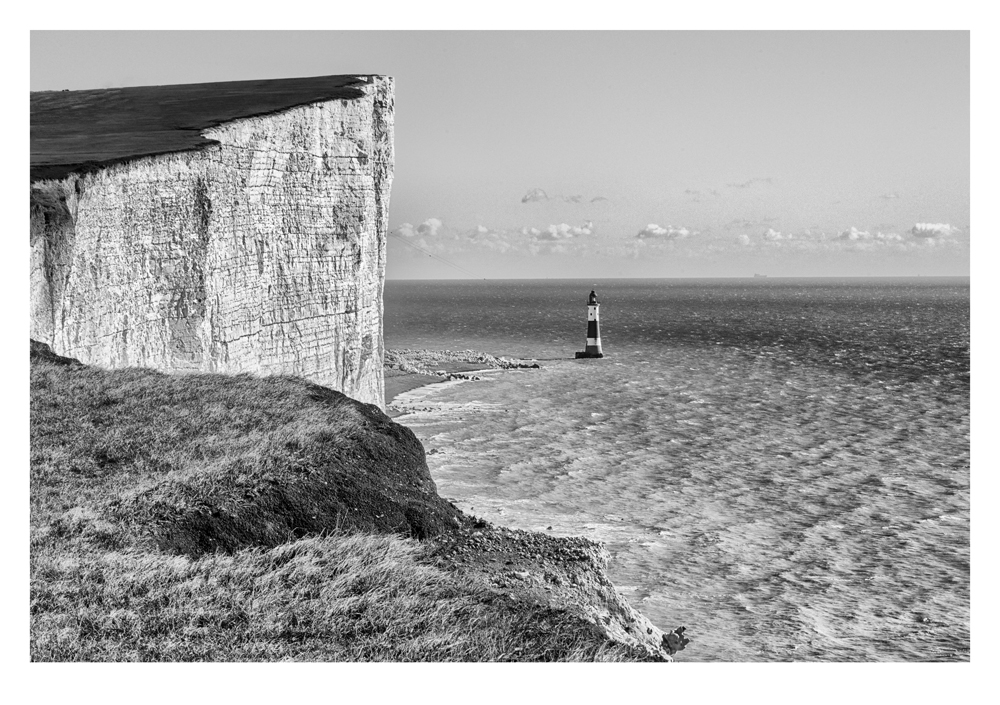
593 348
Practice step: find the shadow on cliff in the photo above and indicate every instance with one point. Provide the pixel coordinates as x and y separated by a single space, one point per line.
200 463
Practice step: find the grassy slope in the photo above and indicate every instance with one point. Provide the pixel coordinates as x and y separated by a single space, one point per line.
205 517
339 598
197 463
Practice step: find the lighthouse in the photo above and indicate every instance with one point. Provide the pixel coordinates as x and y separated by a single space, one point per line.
593 328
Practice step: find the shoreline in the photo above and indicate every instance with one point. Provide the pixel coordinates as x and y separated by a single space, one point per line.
568 571
565 571
400 384
397 386
407 370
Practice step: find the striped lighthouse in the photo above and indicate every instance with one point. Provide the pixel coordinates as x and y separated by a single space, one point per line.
593 328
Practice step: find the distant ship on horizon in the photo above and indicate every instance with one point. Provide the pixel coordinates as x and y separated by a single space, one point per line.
759 276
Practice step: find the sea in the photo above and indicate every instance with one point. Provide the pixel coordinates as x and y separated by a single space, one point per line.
780 465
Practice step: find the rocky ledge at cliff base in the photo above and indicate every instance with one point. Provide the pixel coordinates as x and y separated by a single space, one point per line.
565 572
442 363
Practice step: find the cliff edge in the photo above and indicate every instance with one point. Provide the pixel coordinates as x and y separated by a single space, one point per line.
227 517
231 227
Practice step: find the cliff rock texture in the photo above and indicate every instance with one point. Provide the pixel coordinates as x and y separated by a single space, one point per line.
234 227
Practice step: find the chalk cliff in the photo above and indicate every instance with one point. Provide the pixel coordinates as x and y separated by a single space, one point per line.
234 227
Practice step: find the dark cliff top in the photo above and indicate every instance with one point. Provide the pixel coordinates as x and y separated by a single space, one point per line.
84 130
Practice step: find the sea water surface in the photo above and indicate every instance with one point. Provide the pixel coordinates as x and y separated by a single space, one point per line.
780 465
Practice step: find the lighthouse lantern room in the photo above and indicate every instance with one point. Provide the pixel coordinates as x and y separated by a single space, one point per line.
593 328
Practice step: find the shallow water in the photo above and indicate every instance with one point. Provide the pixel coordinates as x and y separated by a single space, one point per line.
782 466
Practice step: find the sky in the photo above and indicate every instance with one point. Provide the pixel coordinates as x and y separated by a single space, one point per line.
617 154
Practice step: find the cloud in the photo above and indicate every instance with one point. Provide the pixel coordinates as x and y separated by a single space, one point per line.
563 231
853 239
535 194
652 230
890 196
773 235
559 238
429 227
748 224
751 182
853 234
928 230
581 240
670 232
490 239
696 193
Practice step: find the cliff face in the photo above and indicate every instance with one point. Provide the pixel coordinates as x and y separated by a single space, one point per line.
262 252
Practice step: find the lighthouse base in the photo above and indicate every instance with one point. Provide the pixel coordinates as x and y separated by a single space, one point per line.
588 353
